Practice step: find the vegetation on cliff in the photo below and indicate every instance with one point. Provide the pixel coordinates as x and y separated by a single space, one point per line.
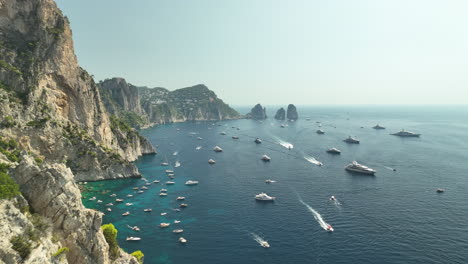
8 187
110 233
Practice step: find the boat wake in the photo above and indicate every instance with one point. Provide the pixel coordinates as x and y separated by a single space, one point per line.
390 168
258 239
285 143
317 216
313 160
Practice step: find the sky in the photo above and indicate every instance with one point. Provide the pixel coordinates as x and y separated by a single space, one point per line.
305 52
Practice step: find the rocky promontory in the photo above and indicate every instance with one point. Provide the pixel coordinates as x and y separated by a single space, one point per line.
280 114
257 113
292 113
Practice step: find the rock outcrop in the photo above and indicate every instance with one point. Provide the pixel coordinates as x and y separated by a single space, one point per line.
292 113
280 114
257 113
142 106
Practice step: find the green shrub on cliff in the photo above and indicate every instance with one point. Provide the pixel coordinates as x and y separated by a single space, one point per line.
60 252
110 233
22 246
8 187
138 255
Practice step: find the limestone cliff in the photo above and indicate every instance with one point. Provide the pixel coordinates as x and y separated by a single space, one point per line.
280 114
292 113
257 112
142 106
52 112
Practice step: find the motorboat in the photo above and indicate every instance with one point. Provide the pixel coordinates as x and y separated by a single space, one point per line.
198 147
155 181
351 140
140 191
129 195
378 127
110 204
163 194
440 190
235 137
164 225
180 198
144 188
128 204
171 175
332 198
92 198
222 133
217 149
199 138
334 151
108 209
163 214
177 164
320 132
211 161
169 171
176 221
163 190
404 133
182 240
176 209
99 201
134 228
135 188
183 205
113 195
147 210
283 126
177 231
330 228
264 197
164 164
148 183
265 158
264 244
133 238
170 183
126 213
175 153
359 168
190 182
119 200
269 181
258 141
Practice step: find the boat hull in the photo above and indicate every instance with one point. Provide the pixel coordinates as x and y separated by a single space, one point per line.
360 171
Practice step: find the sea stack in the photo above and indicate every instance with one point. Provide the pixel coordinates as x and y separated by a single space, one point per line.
292 113
257 113
280 114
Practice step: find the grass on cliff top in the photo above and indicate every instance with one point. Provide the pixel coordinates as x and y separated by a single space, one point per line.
139 256
110 233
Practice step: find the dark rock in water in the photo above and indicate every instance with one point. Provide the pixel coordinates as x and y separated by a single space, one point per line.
257 113
292 112
280 114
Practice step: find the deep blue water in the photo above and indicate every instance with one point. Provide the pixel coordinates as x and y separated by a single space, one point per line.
394 217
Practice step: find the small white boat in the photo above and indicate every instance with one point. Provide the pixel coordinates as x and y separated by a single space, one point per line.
148 183
170 183
235 137
440 190
177 231
176 221
113 195
320 132
134 228
222 133
175 153
332 198
155 181
129 204
211 161
126 213
135 188
198 147
269 181
163 213
330 228
163 190
119 200
133 238
162 225
164 164
109 209
92 199
99 201
264 244
144 188
148 210
182 240
110 204
180 198
199 138
183 205
258 141
140 191
169 171
351 140
217 149
177 164
163 194
189 182
265 158
334 151
129 195
264 197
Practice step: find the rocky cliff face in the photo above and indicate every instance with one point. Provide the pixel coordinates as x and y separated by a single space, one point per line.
141 106
52 110
257 112
292 113
280 114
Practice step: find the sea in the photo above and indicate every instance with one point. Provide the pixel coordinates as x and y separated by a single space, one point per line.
395 216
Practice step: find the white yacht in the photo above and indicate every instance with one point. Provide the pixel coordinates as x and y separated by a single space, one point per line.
265 158
126 213
217 149
320 132
258 141
169 171
264 244
334 151
133 238
163 194
148 183
170 183
144 188
198 148
264 197
147 210
163 190
155 181
164 164
119 200
176 221
351 140
180 198
182 240
183 205
211 161
269 181
129 195
404 133
109 209
199 138
99 201
113 195
177 231
92 199
359 168
110 204
378 127
128 204
163 214
189 182
140 191
164 225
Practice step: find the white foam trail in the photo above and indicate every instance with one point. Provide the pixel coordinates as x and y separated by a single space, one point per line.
284 143
316 215
257 238
389 168
313 160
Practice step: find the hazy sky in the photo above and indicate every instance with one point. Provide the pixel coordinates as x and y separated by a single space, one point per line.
279 52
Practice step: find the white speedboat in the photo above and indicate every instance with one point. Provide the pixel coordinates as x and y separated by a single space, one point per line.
264 197
126 213
163 214
330 228
320 132
175 153
92 198
183 205
378 127
169 171
99 201
190 182
133 238
140 191
198 147
163 190
180 198
129 195
351 140
128 204
164 164
265 158
182 240
359 168
264 244
119 200
258 141
148 210
217 149
113 195
134 228
176 221
199 138
269 181
162 225
148 183
334 151
440 190
170 183
144 188
155 181
211 161
109 209
177 231
404 133
163 194
332 198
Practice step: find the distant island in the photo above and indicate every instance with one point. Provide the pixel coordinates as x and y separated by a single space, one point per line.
258 112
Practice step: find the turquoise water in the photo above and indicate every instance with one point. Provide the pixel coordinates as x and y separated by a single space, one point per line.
394 217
